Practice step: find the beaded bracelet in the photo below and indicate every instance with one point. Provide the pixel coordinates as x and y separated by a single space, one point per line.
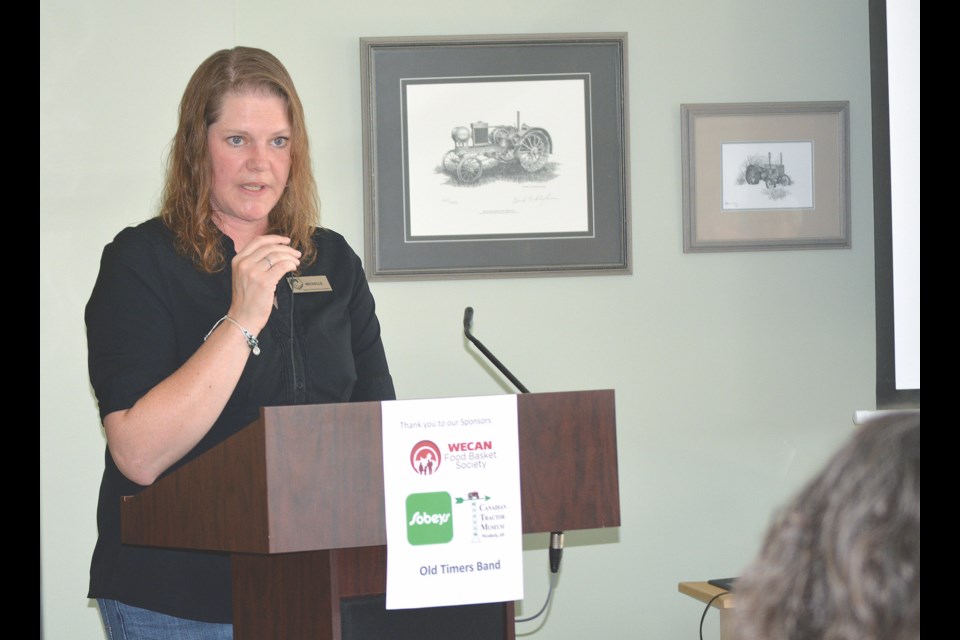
251 339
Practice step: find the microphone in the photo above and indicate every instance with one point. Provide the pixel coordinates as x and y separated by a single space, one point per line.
467 324
556 537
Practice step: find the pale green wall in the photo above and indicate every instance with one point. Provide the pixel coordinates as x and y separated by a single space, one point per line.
736 374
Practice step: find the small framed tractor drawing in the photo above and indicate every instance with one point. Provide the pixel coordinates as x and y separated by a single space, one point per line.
765 176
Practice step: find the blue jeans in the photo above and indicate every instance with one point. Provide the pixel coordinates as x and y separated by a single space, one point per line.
123 622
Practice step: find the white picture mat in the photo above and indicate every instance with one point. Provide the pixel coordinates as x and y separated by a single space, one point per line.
440 206
797 160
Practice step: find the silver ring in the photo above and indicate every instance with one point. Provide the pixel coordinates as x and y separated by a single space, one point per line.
269 262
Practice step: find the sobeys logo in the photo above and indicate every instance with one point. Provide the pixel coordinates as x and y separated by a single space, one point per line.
429 518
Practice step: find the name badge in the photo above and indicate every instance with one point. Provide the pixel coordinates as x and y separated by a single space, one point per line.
309 284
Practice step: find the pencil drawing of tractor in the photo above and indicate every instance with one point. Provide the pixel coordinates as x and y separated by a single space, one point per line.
771 174
481 147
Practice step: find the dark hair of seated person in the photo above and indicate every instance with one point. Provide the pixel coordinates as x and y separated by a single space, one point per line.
842 560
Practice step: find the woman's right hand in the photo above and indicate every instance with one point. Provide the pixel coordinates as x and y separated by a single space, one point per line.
257 269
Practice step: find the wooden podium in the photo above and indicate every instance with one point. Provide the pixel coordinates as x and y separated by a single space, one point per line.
296 498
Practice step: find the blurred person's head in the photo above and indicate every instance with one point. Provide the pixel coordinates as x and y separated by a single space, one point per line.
842 560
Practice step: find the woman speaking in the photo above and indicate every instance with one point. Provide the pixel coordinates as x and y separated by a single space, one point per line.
198 319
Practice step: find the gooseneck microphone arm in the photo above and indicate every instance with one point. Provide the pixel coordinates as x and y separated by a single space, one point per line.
556 537
467 324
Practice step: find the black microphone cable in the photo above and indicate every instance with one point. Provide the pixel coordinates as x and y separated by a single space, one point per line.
707 608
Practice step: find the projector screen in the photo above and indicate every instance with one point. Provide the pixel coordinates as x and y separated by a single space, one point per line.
895 75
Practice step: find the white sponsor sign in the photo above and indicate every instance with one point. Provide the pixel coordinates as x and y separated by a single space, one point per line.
451 475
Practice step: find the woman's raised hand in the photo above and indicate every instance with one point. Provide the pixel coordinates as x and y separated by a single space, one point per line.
257 269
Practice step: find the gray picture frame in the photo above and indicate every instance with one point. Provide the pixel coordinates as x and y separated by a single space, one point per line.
434 111
741 193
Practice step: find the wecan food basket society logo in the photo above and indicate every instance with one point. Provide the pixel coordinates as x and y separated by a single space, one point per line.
429 518
425 457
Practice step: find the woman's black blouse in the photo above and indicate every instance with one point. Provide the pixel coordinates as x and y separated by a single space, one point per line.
149 312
